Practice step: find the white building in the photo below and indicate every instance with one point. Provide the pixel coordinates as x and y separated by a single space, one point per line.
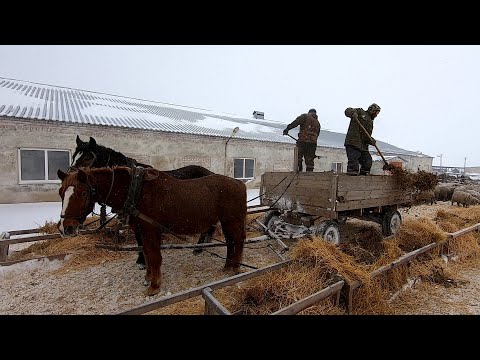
39 124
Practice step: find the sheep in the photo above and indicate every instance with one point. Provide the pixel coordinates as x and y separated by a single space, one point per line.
464 198
444 192
427 196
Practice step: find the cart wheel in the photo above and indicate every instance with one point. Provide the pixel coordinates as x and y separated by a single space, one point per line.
391 222
329 231
270 218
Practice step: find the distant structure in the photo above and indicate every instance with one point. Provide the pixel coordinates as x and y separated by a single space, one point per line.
258 115
447 169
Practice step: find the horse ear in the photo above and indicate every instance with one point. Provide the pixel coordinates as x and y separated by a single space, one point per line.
92 142
82 176
79 142
61 175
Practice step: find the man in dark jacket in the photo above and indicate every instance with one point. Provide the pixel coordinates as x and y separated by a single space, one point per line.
307 137
356 141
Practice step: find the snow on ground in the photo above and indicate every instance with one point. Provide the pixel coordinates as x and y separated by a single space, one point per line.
34 215
29 265
31 215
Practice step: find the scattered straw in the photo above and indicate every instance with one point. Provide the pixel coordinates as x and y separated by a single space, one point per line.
415 182
316 264
415 234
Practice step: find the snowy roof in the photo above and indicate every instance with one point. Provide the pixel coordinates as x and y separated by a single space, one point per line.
28 100
387 157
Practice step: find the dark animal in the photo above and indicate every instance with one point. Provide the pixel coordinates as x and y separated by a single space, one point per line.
184 207
427 196
94 155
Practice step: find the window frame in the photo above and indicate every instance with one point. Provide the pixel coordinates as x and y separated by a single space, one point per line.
46 180
244 178
335 163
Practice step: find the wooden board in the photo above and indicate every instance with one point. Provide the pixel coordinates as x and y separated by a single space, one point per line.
371 182
312 193
293 191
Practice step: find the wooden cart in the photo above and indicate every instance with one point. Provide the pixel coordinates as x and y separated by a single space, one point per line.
298 200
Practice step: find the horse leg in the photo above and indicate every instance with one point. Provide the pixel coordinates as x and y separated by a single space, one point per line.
137 230
151 248
141 258
206 237
235 234
138 237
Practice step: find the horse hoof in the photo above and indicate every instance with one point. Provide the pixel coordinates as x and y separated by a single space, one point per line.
231 269
141 266
152 291
197 251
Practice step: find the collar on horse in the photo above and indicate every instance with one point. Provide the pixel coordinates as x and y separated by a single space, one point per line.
136 182
134 190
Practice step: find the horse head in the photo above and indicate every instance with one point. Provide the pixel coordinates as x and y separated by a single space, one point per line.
78 199
94 155
88 152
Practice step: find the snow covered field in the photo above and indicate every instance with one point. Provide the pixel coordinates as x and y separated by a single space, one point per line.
33 215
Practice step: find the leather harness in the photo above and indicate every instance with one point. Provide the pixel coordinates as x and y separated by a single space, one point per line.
134 190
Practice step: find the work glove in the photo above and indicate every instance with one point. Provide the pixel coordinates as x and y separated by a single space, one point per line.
285 132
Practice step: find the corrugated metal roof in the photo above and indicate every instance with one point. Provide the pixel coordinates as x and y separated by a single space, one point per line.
28 100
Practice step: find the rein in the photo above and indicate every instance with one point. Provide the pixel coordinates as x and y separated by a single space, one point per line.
130 206
92 192
111 187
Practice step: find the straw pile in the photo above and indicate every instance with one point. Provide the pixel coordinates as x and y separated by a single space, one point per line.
415 182
82 247
317 264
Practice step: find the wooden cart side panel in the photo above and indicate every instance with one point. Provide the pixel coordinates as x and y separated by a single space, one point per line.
298 187
317 211
346 196
333 193
368 203
315 193
372 182
273 178
356 192
296 190
295 201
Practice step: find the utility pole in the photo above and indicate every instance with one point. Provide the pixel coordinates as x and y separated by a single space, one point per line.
464 165
234 132
440 156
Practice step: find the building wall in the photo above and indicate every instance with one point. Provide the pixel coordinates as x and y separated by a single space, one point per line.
472 169
164 151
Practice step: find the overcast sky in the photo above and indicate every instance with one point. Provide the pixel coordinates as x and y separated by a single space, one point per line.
428 94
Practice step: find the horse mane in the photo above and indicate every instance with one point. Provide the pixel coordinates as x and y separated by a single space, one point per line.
107 156
116 157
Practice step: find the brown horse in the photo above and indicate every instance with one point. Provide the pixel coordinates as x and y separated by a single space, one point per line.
164 203
94 155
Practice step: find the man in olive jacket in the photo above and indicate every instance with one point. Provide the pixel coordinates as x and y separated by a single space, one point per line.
307 138
356 141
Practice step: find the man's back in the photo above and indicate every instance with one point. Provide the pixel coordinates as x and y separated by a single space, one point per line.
355 135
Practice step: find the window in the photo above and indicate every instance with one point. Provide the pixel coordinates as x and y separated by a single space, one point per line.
337 167
243 169
40 166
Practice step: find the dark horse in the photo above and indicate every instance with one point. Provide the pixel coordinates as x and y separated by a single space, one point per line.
184 207
94 155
